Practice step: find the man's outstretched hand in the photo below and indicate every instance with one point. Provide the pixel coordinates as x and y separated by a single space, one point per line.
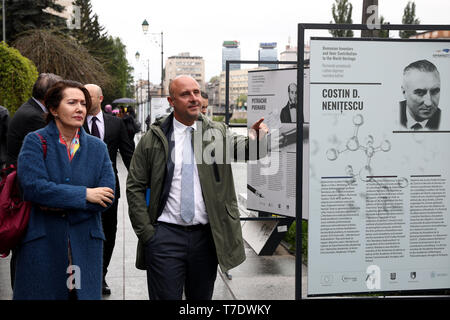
258 130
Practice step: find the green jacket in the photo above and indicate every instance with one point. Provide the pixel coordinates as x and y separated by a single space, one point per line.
213 154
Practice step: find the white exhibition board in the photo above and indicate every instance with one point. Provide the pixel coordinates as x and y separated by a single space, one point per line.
378 196
271 180
160 108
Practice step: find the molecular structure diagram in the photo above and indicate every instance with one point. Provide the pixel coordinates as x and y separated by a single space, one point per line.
368 148
366 173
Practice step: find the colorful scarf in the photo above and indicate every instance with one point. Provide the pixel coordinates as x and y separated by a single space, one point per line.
75 145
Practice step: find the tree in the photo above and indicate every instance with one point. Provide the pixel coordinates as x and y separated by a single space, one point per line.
342 14
90 32
24 15
17 77
383 33
55 53
409 17
116 65
241 101
214 79
109 51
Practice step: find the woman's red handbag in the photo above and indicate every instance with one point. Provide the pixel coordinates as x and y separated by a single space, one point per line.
14 211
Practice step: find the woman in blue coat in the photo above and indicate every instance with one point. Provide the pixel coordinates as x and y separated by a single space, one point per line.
60 256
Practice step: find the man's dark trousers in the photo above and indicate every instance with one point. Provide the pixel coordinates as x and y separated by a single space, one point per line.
178 257
109 222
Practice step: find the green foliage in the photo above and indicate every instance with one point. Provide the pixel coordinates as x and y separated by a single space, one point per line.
409 17
241 100
219 118
109 51
342 14
383 33
238 120
222 119
25 15
116 65
56 53
90 31
17 77
291 236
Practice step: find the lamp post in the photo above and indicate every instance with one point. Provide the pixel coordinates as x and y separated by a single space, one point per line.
4 20
137 55
145 26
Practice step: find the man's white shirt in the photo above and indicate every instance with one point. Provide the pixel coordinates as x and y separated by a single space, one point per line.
100 124
172 211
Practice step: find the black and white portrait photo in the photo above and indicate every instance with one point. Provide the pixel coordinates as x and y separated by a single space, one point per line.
288 113
421 88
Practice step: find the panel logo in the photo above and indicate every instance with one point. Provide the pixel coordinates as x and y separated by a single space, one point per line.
373 278
443 53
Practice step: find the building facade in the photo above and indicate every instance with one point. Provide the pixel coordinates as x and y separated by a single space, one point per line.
184 64
290 54
70 12
238 85
213 91
231 51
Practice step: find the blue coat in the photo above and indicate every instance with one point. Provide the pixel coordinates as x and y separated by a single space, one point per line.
56 182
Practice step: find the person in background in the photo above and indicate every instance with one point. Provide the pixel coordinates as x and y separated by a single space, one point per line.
108 109
147 122
60 256
132 125
204 103
112 131
191 223
30 116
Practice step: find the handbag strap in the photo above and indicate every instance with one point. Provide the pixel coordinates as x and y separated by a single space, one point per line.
44 144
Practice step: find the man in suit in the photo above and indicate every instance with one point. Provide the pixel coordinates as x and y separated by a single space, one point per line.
29 117
191 222
421 88
289 113
113 132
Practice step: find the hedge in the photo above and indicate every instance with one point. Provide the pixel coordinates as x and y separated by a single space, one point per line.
17 77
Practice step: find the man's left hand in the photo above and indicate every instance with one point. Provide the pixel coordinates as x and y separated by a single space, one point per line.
258 130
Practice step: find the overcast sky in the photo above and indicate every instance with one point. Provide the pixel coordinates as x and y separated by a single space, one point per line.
201 26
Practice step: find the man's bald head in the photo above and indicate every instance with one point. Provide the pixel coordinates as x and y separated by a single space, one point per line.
96 94
185 98
177 79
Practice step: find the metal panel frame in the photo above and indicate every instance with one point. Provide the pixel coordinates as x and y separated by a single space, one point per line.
300 94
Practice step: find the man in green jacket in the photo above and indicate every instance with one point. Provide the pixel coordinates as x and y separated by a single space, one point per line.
182 167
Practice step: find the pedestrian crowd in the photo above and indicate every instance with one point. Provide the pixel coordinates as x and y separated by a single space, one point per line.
183 210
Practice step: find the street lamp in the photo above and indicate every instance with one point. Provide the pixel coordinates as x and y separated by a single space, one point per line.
4 20
137 55
145 26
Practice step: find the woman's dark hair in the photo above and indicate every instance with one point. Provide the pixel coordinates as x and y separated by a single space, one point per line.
55 94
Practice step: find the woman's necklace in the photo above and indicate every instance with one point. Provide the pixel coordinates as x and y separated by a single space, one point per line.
68 141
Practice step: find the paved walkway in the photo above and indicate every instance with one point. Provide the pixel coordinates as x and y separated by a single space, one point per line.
258 278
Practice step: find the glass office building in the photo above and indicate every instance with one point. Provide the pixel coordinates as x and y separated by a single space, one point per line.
268 52
231 51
